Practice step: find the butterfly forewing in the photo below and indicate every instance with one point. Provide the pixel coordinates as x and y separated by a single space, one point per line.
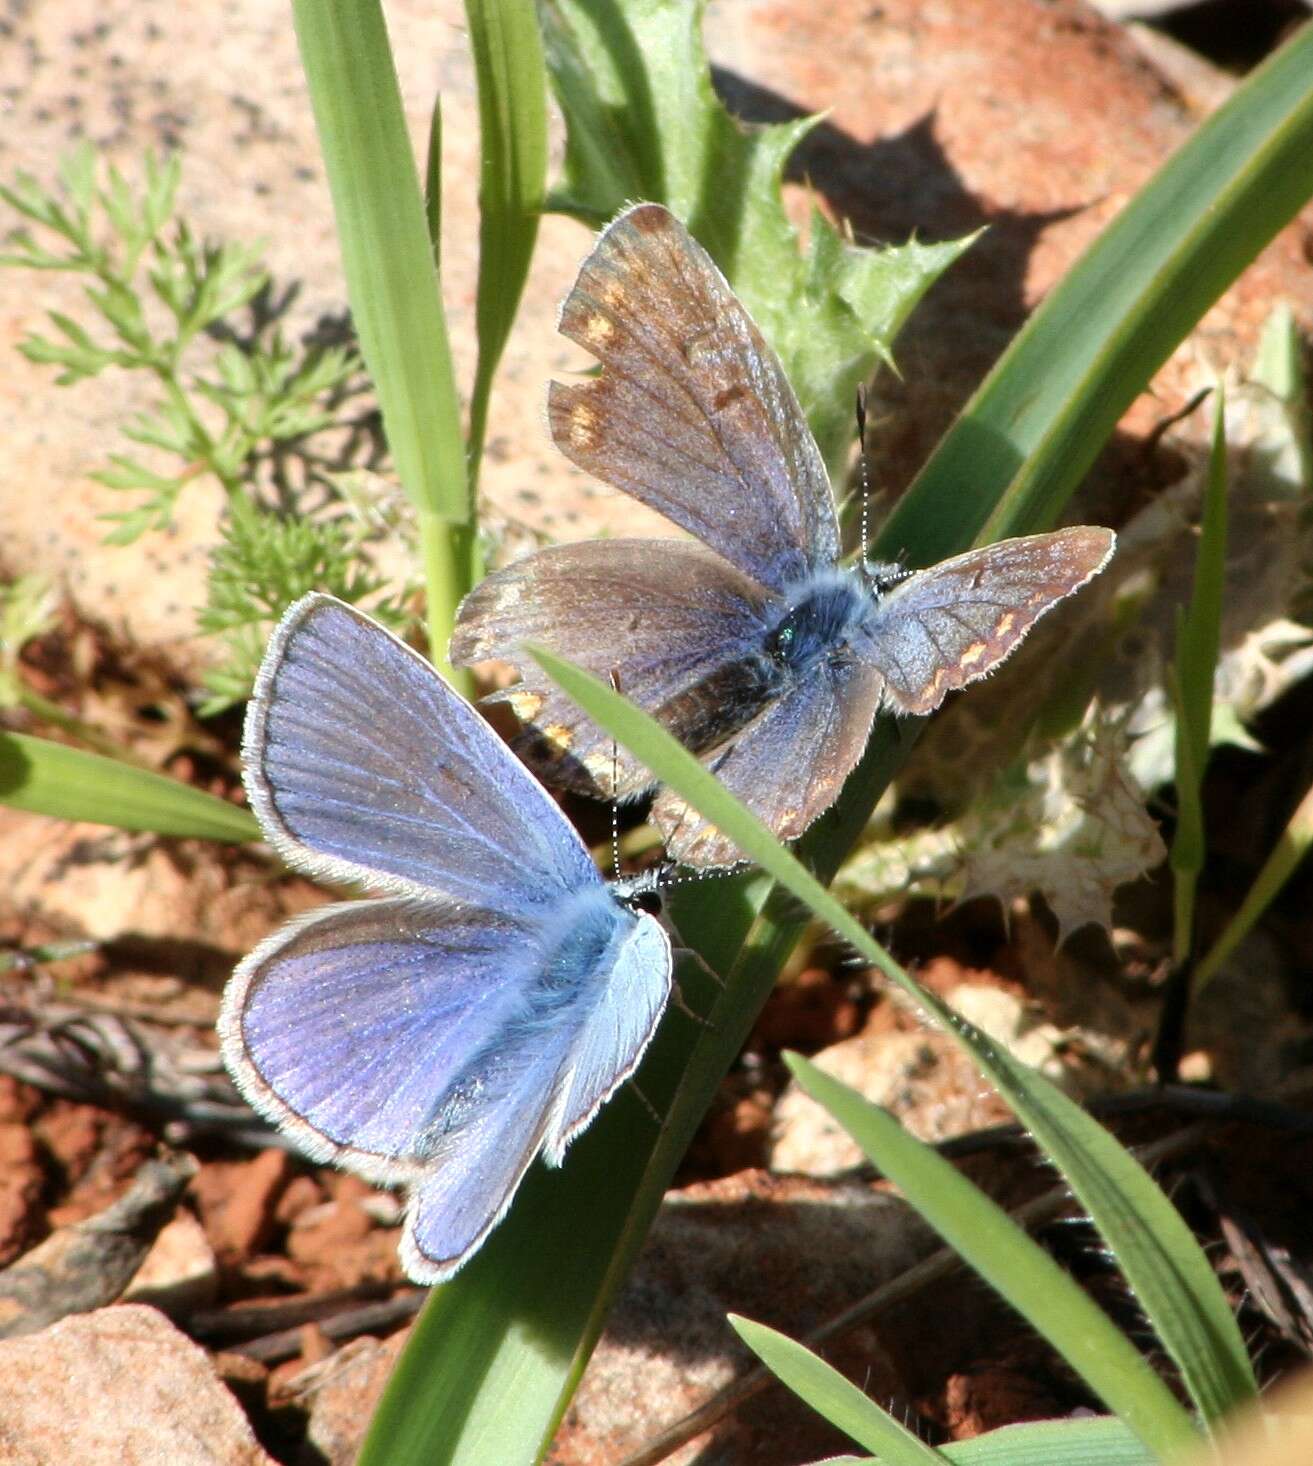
692 413
946 626
656 616
362 765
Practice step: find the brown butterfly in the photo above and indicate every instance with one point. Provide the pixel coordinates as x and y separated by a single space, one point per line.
750 643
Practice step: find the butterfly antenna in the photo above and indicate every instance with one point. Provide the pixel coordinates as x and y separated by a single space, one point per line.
863 470
615 787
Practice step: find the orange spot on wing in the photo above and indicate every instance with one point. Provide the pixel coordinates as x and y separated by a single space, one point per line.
526 705
583 425
598 330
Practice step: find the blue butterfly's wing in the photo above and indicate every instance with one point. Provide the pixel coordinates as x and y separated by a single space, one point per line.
363 765
787 767
658 615
692 414
475 1166
946 626
441 1047
441 1037
609 1046
346 1027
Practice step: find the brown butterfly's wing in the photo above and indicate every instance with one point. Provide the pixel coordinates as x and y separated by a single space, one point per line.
946 626
788 767
692 414
663 617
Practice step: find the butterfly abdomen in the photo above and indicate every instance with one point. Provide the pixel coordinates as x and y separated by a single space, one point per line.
720 706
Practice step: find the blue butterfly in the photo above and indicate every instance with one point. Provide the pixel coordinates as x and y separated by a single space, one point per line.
482 1011
750 642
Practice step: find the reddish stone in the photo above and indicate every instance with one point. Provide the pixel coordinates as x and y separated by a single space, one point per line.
237 1201
18 1101
22 1180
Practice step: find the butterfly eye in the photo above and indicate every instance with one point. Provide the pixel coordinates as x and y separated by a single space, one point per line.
649 902
782 638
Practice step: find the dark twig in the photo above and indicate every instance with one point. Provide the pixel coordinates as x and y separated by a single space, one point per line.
157 1076
220 1327
369 1318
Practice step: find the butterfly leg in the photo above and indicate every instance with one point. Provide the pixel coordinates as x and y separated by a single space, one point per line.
679 1001
681 952
658 1119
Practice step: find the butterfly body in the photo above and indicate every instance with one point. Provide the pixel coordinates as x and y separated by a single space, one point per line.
751 642
815 630
483 1010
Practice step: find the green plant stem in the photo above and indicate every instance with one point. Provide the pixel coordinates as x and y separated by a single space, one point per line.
1183 892
450 555
50 712
1277 870
388 263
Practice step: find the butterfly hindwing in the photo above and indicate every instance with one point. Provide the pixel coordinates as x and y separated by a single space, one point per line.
787 767
956 621
348 1026
692 413
619 1028
657 616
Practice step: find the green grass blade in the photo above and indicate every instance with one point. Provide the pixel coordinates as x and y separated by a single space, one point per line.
1010 1261
822 1387
387 259
1198 640
508 61
1101 1441
1277 869
1163 1264
70 784
1050 403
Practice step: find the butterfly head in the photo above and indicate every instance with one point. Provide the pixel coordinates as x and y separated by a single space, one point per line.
822 616
640 894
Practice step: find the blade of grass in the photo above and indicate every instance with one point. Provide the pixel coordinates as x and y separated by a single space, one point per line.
512 76
1162 1262
1010 1261
388 263
835 1398
71 784
1277 869
1102 1441
1198 639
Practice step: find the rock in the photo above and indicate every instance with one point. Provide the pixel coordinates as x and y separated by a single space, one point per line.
923 1078
119 1385
940 119
784 1251
340 1394
339 1243
22 1180
179 1274
237 1201
87 1264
